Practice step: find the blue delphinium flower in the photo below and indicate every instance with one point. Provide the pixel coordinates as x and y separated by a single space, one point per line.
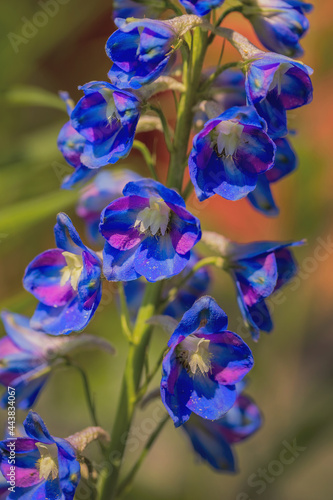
259 269
28 357
148 233
71 145
275 84
66 281
107 118
279 24
285 163
228 89
25 360
225 92
229 154
45 466
106 187
141 51
201 7
214 440
203 364
187 294
131 8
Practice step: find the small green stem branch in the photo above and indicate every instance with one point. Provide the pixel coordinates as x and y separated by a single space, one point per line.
140 146
127 482
130 386
207 261
87 392
192 76
242 44
142 391
125 319
165 125
216 73
222 17
88 396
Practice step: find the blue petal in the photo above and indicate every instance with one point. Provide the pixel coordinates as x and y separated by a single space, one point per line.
262 199
205 314
176 402
19 330
36 429
148 187
63 320
66 236
156 259
28 389
119 265
209 399
209 444
80 175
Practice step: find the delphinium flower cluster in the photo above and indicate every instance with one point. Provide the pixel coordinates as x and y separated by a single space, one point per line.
231 135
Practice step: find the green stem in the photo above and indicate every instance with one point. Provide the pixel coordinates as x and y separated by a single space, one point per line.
173 7
142 331
192 75
140 146
188 190
127 482
130 386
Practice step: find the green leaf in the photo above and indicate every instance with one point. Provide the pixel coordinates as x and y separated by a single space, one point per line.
24 95
29 212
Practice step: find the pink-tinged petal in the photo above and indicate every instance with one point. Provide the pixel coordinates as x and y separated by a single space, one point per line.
23 336
43 276
231 358
184 235
255 153
24 477
126 203
257 278
7 347
125 240
243 420
118 220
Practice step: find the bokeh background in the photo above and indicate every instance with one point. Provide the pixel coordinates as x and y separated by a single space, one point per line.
293 375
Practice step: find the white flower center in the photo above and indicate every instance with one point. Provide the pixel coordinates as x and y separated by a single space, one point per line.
47 464
154 218
194 354
111 111
278 76
229 137
73 269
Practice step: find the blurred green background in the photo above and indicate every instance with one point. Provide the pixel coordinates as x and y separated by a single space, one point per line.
293 375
